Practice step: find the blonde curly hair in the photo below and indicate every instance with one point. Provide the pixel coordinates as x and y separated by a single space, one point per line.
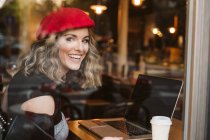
43 58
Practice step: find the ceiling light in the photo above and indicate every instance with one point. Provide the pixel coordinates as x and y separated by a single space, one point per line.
172 30
155 31
98 8
137 2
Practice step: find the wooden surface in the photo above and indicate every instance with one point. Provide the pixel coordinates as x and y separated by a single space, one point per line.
176 130
83 134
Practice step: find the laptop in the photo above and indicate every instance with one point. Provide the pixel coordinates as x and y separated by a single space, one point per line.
152 96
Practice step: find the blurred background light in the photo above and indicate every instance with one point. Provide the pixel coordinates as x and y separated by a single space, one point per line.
98 8
137 2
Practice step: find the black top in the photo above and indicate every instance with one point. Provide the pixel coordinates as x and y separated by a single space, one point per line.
24 87
37 126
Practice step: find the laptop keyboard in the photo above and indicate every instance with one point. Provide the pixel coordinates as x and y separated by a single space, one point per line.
127 128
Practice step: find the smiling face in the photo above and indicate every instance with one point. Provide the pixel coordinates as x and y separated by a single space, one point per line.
73 47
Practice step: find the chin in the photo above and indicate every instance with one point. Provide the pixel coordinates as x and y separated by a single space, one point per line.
74 67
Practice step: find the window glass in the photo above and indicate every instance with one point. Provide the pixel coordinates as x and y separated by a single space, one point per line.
155 46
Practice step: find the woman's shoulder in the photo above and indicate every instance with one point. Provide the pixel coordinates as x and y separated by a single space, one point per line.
22 81
36 77
23 88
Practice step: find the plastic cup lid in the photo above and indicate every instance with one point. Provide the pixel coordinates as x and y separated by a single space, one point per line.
161 120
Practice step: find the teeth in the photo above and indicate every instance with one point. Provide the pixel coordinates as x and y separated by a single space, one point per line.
75 56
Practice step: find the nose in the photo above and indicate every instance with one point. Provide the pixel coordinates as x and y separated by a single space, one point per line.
79 46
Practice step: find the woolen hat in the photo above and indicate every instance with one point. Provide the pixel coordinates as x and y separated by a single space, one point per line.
63 19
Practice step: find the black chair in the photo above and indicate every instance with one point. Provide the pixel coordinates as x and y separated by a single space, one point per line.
22 127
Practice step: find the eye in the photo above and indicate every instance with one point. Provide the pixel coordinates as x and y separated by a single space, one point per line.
86 41
69 38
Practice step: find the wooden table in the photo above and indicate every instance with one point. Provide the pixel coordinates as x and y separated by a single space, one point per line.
83 134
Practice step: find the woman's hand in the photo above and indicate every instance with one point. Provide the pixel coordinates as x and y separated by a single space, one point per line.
112 138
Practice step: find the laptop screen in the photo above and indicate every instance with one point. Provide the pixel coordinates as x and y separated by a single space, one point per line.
152 96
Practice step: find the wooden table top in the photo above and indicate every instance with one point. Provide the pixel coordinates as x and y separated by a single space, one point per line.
83 134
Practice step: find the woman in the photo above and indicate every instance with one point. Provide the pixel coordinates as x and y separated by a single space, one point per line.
64 45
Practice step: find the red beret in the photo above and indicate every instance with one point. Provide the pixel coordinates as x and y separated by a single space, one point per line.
63 19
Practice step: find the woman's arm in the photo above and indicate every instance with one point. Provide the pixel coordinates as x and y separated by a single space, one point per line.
40 105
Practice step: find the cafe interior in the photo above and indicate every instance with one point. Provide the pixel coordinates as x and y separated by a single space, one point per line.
133 37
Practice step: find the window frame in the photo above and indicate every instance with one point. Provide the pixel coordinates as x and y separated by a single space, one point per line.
197 67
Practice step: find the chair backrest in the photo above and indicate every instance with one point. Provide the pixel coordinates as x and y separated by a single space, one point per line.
23 128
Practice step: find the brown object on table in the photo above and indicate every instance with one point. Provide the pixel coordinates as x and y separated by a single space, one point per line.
84 134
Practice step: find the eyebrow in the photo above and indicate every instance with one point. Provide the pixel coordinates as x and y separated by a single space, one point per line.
75 35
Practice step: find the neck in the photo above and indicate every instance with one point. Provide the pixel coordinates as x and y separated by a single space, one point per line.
62 72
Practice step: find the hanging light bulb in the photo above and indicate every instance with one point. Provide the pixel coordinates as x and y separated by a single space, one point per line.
155 30
172 30
98 8
137 2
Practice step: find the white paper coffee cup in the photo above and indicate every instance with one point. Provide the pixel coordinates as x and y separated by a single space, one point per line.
160 127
